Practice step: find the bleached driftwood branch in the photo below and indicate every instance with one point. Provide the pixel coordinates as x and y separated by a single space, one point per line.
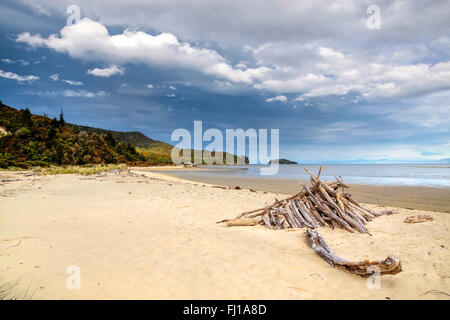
391 265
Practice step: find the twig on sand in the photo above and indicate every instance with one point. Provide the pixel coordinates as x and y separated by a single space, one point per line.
16 245
10 179
435 291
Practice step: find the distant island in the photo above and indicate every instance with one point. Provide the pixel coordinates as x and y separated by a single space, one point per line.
282 161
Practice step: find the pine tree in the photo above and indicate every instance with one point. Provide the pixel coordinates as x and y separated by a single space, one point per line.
61 118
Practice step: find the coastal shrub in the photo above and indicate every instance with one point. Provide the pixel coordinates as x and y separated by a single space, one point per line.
84 169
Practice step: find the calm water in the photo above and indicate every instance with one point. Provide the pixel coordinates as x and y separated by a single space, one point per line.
434 175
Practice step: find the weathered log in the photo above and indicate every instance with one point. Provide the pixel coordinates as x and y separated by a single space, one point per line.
266 220
309 218
275 221
242 222
291 220
298 214
297 221
284 223
339 202
391 265
316 214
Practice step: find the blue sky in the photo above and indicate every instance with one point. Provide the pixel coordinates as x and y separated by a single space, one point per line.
336 89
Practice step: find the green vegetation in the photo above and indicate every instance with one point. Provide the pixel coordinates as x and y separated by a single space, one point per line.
28 140
84 169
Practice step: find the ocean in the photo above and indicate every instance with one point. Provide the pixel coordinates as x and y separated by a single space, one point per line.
429 175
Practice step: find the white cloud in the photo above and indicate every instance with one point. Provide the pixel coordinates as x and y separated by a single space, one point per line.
73 83
83 94
326 71
172 87
90 40
150 86
277 98
69 93
15 76
106 72
8 61
55 77
171 95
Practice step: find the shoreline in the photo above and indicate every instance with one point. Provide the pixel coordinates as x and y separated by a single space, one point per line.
409 197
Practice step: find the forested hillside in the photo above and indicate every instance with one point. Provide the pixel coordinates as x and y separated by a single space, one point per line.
30 140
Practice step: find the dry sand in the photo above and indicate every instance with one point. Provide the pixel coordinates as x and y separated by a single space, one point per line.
155 237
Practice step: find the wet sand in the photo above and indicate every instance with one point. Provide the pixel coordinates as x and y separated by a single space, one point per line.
410 197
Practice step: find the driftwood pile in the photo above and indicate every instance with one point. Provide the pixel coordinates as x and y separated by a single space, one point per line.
323 204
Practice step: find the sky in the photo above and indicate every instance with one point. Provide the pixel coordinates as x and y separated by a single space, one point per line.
342 81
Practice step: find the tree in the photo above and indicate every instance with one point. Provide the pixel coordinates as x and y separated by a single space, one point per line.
25 117
110 139
61 118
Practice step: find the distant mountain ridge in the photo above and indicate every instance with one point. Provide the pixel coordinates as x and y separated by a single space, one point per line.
447 160
135 138
154 150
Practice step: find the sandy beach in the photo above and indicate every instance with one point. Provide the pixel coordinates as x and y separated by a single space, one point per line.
152 236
